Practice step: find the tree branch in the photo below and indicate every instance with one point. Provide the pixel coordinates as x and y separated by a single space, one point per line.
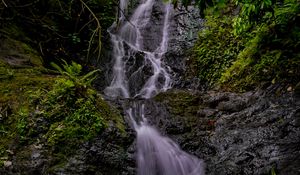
97 30
4 3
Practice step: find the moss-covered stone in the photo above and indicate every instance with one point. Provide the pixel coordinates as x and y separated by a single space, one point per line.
45 116
182 102
19 54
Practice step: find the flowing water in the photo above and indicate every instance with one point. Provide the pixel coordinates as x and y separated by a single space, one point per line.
139 71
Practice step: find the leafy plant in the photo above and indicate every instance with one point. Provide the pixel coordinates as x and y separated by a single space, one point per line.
252 13
73 71
22 124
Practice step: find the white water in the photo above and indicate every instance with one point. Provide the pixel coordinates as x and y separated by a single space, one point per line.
130 33
156 154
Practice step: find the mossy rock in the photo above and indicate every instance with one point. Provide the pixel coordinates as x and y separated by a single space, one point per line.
19 54
182 105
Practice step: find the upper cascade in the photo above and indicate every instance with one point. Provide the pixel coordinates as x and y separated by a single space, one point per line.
129 40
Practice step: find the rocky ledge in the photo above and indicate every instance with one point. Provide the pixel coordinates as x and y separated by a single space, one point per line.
256 132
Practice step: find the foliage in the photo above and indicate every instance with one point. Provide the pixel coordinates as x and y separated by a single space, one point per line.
273 172
73 71
22 122
215 49
40 107
252 13
68 107
260 12
266 37
204 5
58 29
272 53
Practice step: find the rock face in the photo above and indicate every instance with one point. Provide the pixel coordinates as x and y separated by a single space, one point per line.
107 154
250 133
185 25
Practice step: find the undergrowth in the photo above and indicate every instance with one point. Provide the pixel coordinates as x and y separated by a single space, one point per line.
64 114
60 110
215 50
241 52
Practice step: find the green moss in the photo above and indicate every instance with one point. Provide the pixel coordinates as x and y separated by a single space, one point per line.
182 104
14 103
13 31
18 53
14 86
74 112
110 113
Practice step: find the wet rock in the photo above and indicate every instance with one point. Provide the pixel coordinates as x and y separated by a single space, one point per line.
207 112
232 106
212 100
183 33
7 163
250 133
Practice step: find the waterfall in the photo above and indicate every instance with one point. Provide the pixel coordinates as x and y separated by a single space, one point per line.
156 154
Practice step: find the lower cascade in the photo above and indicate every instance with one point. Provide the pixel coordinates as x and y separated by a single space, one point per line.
156 154
161 156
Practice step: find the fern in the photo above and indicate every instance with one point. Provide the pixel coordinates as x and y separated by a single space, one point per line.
73 71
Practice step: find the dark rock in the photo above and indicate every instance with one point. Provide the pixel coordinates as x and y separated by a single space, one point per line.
184 30
214 99
297 90
232 106
207 112
248 133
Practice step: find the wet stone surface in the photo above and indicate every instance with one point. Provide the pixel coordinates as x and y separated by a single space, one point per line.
250 133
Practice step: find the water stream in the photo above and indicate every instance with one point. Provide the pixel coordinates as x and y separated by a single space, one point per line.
139 71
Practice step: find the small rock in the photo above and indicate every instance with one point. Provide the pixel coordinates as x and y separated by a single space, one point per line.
7 163
39 146
216 99
206 112
35 155
10 152
232 106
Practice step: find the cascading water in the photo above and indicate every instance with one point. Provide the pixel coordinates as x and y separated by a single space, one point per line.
156 154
